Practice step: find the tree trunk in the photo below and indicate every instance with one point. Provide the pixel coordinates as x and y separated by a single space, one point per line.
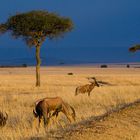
38 62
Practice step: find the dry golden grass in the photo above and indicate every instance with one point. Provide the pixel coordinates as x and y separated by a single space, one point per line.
18 94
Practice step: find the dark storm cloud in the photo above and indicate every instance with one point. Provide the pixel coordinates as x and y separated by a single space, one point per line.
98 23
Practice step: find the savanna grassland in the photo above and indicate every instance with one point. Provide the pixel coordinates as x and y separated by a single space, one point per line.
18 94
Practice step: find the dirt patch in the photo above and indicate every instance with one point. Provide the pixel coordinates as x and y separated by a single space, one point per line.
122 124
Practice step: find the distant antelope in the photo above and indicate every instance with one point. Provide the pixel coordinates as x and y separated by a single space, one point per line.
87 88
44 107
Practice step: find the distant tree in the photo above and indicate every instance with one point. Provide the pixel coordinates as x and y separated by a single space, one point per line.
34 27
128 66
134 48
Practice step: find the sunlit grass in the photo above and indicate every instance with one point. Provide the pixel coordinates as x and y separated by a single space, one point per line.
18 95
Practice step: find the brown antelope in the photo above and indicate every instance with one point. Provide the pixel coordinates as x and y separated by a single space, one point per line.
87 88
44 107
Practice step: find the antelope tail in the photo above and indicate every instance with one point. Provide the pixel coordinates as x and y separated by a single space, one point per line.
35 113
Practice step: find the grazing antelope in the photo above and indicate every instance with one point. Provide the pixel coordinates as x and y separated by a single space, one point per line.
87 88
3 118
44 107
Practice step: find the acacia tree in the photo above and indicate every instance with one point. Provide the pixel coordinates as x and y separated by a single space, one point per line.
134 48
34 27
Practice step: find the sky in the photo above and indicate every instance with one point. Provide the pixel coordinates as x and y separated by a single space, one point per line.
103 32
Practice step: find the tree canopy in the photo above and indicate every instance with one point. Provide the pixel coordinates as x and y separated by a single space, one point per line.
135 48
35 26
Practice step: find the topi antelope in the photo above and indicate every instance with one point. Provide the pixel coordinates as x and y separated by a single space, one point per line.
44 107
87 88
3 118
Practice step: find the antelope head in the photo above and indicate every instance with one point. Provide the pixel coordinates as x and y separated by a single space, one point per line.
94 81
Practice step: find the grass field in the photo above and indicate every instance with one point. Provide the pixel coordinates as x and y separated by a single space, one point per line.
18 94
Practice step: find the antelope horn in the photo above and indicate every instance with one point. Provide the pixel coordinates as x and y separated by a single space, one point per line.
105 83
88 77
91 78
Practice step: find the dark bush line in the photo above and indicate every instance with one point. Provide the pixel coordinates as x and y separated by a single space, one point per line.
10 66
